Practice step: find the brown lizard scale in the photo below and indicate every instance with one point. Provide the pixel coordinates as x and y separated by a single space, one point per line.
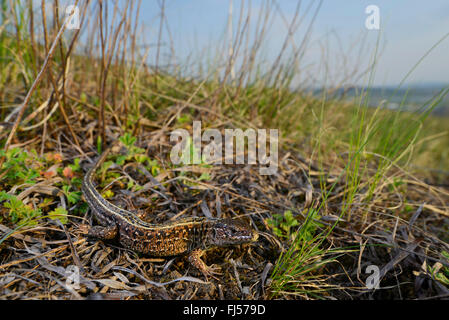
189 235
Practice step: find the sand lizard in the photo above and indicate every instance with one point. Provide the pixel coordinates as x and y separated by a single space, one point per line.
185 236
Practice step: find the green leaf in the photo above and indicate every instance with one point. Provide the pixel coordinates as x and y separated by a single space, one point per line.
141 158
128 140
76 181
18 211
60 214
204 176
106 165
120 160
72 196
76 165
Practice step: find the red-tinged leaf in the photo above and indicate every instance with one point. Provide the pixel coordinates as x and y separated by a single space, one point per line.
68 173
50 173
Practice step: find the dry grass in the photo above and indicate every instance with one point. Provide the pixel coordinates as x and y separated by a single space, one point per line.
345 197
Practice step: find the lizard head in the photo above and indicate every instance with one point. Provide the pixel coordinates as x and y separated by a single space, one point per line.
229 232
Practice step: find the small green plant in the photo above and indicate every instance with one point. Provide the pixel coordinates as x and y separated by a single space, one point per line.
72 196
311 225
133 153
15 168
154 167
76 165
204 176
60 214
128 140
191 155
19 212
282 224
27 168
297 268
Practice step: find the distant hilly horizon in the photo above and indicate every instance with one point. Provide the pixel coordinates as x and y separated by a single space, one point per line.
417 85
409 97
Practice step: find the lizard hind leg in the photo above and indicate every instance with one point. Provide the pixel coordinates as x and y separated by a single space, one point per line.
103 232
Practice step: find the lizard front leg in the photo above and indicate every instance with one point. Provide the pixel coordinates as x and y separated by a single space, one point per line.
195 260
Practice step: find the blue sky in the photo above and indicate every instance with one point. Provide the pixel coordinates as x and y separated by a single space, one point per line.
409 28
